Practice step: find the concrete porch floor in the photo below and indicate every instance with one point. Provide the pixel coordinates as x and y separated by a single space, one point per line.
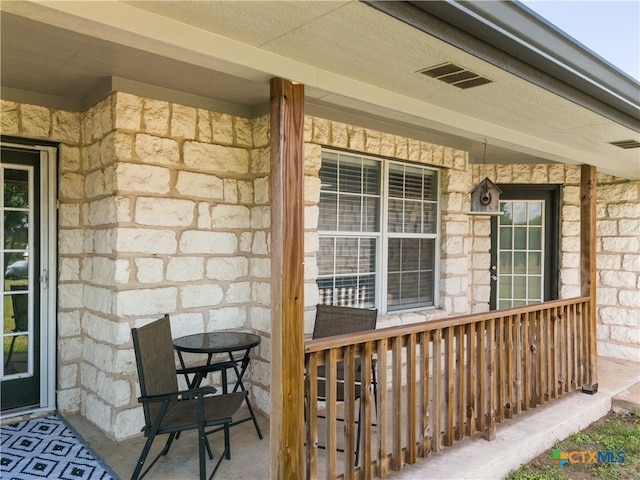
517 441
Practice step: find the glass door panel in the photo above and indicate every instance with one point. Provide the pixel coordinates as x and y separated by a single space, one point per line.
19 175
520 249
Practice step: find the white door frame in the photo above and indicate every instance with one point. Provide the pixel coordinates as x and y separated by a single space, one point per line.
47 275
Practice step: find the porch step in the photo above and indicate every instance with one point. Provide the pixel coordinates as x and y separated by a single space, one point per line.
523 438
627 401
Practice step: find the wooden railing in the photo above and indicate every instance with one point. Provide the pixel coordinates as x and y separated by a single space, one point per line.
440 381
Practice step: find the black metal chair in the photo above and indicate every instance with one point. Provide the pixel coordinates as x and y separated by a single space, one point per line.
20 303
334 320
167 410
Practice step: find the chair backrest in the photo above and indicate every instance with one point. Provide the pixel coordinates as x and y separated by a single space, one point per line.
334 320
156 362
20 303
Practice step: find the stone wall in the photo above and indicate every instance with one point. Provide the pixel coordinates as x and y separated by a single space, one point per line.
184 231
163 209
618 268
39 123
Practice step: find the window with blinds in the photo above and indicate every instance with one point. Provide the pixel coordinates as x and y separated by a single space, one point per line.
378 228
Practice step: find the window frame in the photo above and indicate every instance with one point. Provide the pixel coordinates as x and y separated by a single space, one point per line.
383 235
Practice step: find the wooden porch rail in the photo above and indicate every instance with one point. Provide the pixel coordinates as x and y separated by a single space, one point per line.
441 381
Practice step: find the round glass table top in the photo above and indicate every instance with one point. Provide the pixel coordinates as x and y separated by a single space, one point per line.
216 342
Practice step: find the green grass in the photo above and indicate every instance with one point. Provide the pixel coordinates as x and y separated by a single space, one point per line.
612 433
21 344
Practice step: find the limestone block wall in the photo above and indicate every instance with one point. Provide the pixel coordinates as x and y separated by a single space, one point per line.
163 209
455 257
618 268
190 237
40 123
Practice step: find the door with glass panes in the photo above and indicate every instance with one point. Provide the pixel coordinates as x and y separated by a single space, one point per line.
26 373
525 246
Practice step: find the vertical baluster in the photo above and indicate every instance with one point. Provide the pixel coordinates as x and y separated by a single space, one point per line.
587 342
587 352
566 334
471 379
549 355
449 381
460 397
535 359
565 350
365 426
583 346
518 363
511 400
425 346
542 348
490 433
311 388
396 374
411 399
593 354
527 355
437 389
555 370
501 380
575 340
382 419
571 337
330 411
578 336
481 420
350 414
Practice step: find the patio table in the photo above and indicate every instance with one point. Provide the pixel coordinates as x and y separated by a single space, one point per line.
237 345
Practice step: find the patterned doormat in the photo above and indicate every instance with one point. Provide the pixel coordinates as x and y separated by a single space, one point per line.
48 448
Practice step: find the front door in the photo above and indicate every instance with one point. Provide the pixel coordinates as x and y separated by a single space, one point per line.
25 263
525 246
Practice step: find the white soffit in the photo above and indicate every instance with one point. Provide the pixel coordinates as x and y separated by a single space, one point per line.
352 56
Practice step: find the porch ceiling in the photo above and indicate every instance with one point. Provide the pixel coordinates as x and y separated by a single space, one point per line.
358 65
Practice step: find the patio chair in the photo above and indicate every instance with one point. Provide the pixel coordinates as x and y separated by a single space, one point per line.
167 410
334 320
20 303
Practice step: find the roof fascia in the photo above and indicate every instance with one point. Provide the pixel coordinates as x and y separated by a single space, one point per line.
515 39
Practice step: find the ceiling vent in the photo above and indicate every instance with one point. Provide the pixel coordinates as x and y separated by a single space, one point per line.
626 144
455 75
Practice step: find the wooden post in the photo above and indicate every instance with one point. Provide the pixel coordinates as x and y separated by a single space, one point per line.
588 266
286 179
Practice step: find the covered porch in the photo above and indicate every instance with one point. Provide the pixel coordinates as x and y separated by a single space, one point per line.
202 199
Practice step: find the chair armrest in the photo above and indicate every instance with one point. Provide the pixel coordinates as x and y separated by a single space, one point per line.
177 396
214 367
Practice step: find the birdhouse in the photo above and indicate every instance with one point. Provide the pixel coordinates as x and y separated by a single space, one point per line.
485 198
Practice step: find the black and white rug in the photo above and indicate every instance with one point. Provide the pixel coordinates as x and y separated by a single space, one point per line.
48 448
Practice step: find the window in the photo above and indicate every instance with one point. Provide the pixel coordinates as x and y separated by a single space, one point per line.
378 229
